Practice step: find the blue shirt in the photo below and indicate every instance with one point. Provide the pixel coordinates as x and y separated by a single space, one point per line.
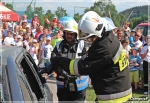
131 39
136 60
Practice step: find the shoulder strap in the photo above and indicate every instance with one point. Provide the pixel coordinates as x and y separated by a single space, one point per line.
79 48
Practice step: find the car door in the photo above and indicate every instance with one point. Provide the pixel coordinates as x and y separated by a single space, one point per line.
36 82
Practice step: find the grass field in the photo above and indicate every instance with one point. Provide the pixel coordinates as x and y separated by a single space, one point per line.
91 96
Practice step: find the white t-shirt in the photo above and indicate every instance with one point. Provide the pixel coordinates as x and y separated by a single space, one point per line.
46 51
19 43
34 32
143 51
128 48
138 44
31 51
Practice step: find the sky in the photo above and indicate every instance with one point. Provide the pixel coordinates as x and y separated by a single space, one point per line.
74 6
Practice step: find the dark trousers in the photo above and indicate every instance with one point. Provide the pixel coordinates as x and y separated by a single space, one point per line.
145 70
73 96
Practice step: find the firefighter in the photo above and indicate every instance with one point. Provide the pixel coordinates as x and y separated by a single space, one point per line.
106 63
71 87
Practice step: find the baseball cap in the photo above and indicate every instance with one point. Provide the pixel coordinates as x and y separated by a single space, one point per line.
34 40
48 38
35 14
135 48
55 16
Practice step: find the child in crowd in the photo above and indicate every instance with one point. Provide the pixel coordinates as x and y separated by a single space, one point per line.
19 42
34 51
45 51
134 65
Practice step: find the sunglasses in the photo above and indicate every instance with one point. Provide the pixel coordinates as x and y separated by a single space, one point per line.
137 35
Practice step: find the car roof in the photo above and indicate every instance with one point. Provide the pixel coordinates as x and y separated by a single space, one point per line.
144 24
9 50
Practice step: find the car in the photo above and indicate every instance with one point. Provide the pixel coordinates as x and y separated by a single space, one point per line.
145 28
19 77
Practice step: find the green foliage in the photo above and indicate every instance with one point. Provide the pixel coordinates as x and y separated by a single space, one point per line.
49 15
29 12
10 6
60 12
137 11
39 11
77 17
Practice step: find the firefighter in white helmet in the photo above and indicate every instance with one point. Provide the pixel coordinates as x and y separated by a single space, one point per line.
106 63
71 87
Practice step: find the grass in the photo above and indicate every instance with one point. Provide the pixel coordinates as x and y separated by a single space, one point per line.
90 96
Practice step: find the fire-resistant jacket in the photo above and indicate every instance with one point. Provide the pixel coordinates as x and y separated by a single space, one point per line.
73 52
107 66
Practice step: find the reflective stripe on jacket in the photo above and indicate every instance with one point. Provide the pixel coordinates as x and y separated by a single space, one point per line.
81 81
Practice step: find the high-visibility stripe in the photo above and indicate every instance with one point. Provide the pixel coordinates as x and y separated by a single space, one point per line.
82 84
116 57
145 84
114 96
76 67
60 84
71 67
118 100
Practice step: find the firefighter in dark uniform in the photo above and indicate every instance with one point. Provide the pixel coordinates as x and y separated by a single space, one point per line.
106 63
71 87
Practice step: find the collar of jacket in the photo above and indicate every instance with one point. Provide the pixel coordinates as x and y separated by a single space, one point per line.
65 43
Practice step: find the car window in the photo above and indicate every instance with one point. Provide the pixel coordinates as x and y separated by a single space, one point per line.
30 73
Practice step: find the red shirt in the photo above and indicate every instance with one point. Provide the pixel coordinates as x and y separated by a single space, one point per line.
38 34
35 20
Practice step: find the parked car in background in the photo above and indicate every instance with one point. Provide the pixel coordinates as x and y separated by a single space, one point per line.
145 28
19 78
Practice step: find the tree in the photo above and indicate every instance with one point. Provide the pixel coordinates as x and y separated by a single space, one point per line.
10 6
39 11
29 12
77 17
60 12
49 15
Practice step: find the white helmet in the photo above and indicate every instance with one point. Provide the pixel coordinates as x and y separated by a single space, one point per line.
71 26
91 24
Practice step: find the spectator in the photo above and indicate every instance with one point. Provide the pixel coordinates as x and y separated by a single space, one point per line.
119 35
6 29
16 30
124 44
45 33
26 45
126 27
35 20
138 43
56 38
9 38
19 42
33 28
134 64
39 32
131 38
54 26
145 55
23 28
21 33
115 31
24 19
45 53
34 51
